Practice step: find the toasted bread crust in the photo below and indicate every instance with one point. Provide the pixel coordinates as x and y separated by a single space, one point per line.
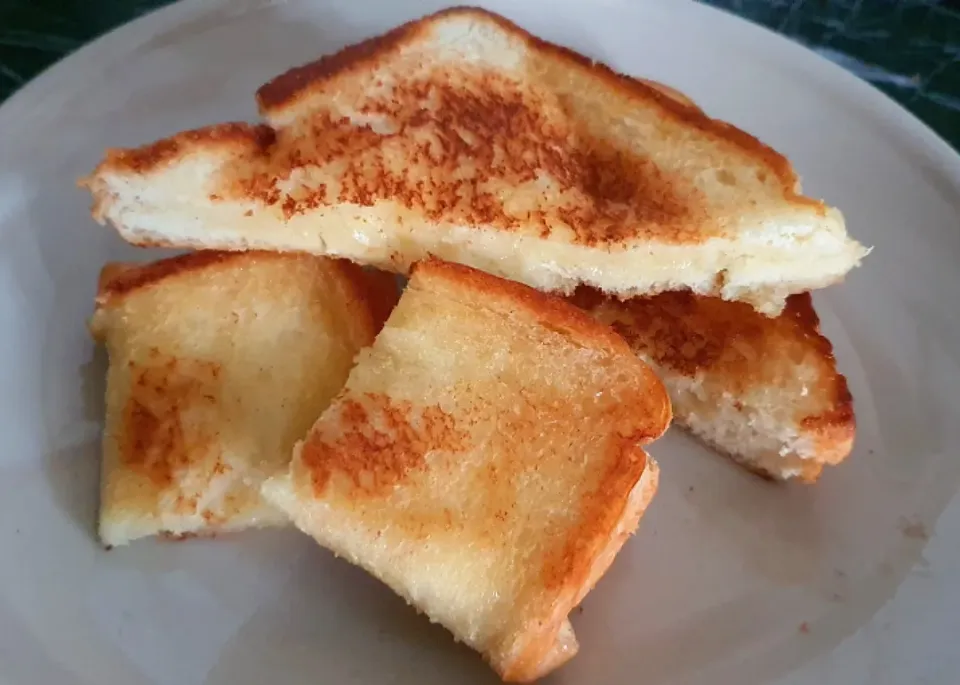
119 279
549 309
287 89
586 554
112 271
374 293
543 656
230 135
671 93
634 507
836 427
834 430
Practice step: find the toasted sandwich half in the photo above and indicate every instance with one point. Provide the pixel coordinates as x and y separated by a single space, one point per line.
218 364
462 136
765 391
484 461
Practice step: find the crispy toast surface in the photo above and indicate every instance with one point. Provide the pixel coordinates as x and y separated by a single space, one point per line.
764 391
218 363
484 461
462 136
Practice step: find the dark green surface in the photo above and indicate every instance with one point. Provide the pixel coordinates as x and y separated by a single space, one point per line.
908 48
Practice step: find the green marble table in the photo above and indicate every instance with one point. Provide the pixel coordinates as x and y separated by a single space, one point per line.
908 48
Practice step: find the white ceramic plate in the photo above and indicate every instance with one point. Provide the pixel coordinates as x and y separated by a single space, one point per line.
730 580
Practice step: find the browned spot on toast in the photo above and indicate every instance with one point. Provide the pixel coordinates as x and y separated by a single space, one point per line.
377 442
461 151
286 90
689 334
241 136
707 338
683 331
158 439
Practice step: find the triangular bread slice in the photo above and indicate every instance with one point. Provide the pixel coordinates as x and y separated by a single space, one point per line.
484 461
764 391
218 363
462 136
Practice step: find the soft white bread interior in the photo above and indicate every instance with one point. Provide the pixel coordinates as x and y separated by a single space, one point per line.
462 136
765 391
218 364
484 461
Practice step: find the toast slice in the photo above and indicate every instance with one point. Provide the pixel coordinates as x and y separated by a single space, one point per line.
765 391
484 461
462 136
218 363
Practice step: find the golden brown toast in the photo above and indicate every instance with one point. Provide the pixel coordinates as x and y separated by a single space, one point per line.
484 461
462 136
765 391
218 363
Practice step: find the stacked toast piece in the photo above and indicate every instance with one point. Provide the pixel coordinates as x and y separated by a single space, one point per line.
219 363
588 255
